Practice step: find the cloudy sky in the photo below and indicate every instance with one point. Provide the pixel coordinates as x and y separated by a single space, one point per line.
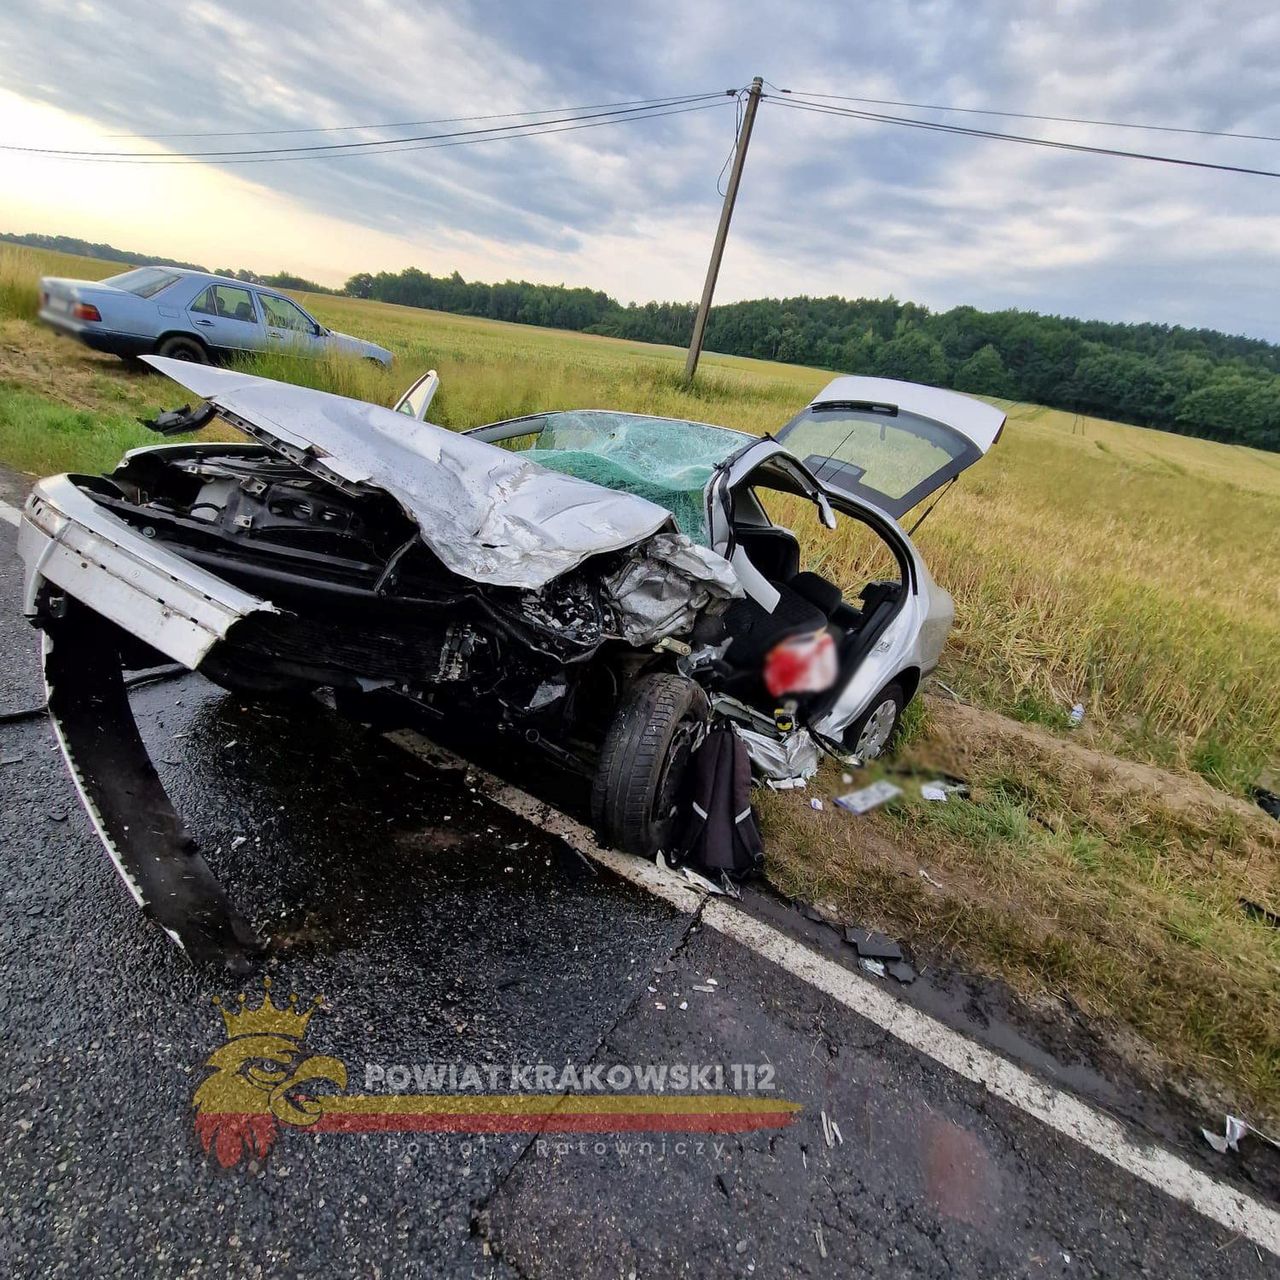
828 205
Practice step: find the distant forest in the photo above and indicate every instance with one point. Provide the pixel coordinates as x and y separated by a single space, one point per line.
1194 381
109 253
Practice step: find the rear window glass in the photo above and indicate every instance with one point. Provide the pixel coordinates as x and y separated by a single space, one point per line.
888 454
144 281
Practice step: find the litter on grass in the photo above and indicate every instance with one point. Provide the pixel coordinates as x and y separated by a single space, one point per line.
867 798
941 789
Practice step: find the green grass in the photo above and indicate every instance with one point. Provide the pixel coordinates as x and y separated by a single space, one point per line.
37 433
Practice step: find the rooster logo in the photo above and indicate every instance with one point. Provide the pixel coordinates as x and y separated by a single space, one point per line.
257 1077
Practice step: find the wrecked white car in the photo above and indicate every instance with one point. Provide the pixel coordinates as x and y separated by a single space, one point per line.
601 584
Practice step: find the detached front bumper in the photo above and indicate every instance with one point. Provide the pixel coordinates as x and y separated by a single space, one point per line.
90 578
67 540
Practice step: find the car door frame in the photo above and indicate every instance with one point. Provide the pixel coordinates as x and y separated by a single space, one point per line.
312 343
207 327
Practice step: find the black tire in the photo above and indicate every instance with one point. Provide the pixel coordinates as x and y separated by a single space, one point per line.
643 760
176 347
891 693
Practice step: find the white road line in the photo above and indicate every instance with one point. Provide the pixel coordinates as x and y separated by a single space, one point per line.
1060 1111
11 514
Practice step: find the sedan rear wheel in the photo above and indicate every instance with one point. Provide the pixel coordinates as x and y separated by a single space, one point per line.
180 348
872 734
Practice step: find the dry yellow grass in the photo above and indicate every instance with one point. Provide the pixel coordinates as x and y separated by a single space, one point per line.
1071 874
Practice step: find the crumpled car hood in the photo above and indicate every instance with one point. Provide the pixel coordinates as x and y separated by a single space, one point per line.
491 515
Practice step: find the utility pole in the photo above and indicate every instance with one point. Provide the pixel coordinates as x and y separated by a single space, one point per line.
722 231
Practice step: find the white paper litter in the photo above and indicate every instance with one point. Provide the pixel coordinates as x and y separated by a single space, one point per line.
867 798
934 791
873 967
1221 1142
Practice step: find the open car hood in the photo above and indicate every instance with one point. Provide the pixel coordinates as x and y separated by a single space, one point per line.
890 443
491 515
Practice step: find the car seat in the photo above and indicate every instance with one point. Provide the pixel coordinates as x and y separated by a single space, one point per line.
754 632
818 591
244 312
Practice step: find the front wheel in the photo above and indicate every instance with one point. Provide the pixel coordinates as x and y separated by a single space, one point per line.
646 752
873 732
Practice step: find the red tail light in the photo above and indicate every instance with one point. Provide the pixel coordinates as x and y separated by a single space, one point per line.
86 311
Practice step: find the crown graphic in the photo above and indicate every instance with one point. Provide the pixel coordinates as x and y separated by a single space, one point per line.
268 1019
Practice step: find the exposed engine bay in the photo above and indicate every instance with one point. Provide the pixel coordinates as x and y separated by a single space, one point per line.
363 604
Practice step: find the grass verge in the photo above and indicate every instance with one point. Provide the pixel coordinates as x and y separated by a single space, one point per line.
1070 874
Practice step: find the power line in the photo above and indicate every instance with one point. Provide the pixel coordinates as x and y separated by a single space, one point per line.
409 124
338 147
965 131
1026 115
531 130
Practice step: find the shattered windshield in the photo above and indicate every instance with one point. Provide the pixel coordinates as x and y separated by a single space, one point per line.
662 459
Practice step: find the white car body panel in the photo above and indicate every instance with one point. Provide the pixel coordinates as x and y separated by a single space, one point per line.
67 539
491 515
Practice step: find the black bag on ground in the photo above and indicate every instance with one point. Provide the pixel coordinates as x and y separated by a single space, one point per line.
718 831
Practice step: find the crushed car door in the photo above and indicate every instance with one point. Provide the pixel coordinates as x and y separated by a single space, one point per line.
890 443
417 400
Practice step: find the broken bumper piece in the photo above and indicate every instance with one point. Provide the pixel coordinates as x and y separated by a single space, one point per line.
86 572
133 815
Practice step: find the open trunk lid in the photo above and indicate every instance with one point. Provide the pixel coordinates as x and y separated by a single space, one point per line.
890 443
489 514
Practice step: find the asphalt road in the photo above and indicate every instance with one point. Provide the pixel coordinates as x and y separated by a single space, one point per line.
439 928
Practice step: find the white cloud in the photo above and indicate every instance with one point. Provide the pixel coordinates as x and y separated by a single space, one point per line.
828 205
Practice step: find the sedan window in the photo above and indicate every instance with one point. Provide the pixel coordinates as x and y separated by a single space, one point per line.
226 302
143 281
284 314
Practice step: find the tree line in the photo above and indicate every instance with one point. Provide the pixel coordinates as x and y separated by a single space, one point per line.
1196 382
